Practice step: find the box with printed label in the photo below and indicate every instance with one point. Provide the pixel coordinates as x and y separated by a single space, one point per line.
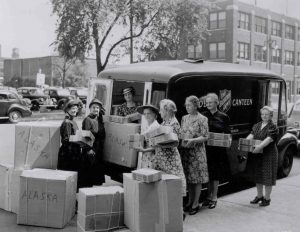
100 208
134 117
146 175
83 138
219 136
163 139
249 142
219 143
158 131
36 145
47 197
153 206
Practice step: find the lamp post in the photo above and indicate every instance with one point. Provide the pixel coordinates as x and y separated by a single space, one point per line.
269 45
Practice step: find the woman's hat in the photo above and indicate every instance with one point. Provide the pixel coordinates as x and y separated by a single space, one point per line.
97 102
69 104
129 90
140 109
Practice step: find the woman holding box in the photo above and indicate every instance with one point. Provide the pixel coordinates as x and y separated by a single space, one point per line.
217 161
194 131
264 159
150 113
94 169
130 106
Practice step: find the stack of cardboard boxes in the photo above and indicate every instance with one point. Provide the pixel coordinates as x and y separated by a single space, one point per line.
219 139
248 144
162 135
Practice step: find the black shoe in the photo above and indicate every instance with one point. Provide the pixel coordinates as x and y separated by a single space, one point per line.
206 203
184 216
265 202
193 211
212 204
186 208
257 200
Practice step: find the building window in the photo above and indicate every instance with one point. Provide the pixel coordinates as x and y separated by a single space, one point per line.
260 25
259 53
289 32
276 28
217 50
298 62
217 20
243 51
195 52
244 21
276 56
289 57
299 33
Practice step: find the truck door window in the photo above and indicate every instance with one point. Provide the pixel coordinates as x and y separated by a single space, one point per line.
158 93
273 98
283 108
100 92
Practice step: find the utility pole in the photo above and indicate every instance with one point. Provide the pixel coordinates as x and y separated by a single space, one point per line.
131 33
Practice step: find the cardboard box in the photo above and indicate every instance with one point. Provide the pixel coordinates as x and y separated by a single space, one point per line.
36 145
118 119
153 206
15 189
159 131
146 175
83 138
136 140
163 139
134 117
219 136
100 208
47 197
252 142
116 146
5 191
7 144
219 143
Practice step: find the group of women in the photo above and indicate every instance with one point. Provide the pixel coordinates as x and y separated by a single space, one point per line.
190 159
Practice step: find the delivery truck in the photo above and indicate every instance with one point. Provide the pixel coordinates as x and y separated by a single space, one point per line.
242 90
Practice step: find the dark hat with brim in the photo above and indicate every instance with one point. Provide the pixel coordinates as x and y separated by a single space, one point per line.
140 109
128 90
97 102
69 104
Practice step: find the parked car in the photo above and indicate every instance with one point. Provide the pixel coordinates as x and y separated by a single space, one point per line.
37 97
60 95
294 115
80 93
12 107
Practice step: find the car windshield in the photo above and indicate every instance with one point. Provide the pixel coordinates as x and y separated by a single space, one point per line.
82 92
63 92
36 92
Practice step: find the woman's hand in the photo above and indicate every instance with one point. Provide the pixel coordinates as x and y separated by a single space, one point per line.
141 149
189 143
258 149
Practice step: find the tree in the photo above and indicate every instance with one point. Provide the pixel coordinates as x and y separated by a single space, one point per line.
61 67
101 25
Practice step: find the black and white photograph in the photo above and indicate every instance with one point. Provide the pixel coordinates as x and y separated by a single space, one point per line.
149 115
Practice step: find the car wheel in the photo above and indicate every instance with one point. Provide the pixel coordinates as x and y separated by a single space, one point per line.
14 116
61 105
287 162
35 106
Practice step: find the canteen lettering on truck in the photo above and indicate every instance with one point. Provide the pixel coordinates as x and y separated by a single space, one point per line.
242 92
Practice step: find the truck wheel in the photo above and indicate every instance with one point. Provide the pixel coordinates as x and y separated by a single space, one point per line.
35 106
287 162
14 116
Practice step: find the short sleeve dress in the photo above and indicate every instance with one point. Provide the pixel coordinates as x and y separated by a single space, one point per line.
123 110
168 160
264 166
194 159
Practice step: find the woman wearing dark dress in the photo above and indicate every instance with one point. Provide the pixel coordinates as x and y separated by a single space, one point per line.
217 160
94 172
263 161
130 106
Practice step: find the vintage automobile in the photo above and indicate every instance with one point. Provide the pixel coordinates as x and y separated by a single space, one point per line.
59 94
37 97
243 91
12 107
80 93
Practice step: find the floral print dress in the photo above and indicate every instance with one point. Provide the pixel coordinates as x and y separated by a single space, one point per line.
168 160
194 158
124 110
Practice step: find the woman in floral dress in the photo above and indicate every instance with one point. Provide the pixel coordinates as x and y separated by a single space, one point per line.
167 159
194 131
130 106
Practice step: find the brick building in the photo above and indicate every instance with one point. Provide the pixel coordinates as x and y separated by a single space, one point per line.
246 34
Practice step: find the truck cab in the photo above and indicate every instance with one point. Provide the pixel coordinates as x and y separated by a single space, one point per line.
242 92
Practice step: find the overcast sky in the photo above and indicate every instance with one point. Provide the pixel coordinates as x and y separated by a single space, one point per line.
29 26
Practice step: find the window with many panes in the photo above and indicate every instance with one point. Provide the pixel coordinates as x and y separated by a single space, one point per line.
276 56
260 24
244 21
217 50
194 51
289 32
217 20
243 51
259 53
289 57
276 28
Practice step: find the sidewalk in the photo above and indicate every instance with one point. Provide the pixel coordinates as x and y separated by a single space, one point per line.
232 214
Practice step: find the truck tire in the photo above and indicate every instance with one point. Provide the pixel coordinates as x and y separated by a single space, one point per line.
14 116
287 162
35 106
61 104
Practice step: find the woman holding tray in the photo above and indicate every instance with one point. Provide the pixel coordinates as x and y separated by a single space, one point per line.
130 106
94 168
263 161
150 113
194 131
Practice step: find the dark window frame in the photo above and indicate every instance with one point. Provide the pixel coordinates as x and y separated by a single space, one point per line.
259 53
260 25
289 57
276 29
289 32
244 49
276 56
218 51
244 23
217 23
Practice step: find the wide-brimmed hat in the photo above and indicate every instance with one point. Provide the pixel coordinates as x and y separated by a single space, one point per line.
128 90
69 104
97 102
140 109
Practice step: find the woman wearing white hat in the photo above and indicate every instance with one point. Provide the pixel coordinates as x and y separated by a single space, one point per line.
130 106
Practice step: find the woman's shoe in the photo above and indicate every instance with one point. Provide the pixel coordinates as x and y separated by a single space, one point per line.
183 217
212 204
193 211
265 202
257 200
206 203
186 208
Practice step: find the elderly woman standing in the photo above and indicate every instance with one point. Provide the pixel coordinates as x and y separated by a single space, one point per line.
130 106
217 160
265 156
150 113
194 129
167 159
